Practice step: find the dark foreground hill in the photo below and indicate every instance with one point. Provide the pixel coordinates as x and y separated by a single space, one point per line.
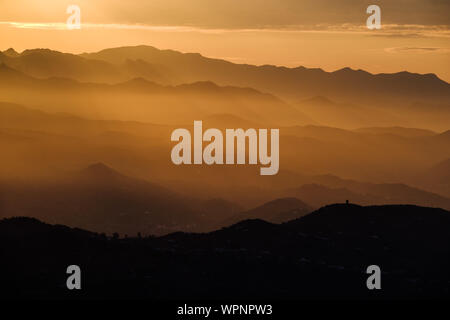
322 255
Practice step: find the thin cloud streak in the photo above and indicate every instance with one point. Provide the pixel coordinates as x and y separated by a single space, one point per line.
388 30
417 50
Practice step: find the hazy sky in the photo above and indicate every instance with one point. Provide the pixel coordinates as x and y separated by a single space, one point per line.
330 34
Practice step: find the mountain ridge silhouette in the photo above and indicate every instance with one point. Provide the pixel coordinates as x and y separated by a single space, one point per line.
322 255
340 85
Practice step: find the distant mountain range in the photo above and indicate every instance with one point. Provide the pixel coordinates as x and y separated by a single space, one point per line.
172 67
298 82
322 255
399 131
276 211
269 95
86 144
141 149
61 112
176 104
101 199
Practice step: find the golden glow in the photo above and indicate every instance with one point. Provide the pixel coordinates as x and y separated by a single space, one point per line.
323 33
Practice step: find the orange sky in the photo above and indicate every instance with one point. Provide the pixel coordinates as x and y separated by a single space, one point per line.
328 34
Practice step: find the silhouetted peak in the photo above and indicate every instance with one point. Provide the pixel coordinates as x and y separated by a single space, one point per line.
349 71
344 70
11 53
130 49
432 76
406 75
20 221
337 210
251 224
344 206
412 75
40 51
20 226
101 171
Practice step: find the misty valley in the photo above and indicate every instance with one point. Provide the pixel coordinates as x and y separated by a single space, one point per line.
66 135
190 176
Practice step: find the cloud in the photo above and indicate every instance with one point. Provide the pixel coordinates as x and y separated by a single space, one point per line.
230 14
387 30
412 31
112 26
417 50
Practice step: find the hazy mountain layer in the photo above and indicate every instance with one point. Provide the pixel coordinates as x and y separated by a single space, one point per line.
362 99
